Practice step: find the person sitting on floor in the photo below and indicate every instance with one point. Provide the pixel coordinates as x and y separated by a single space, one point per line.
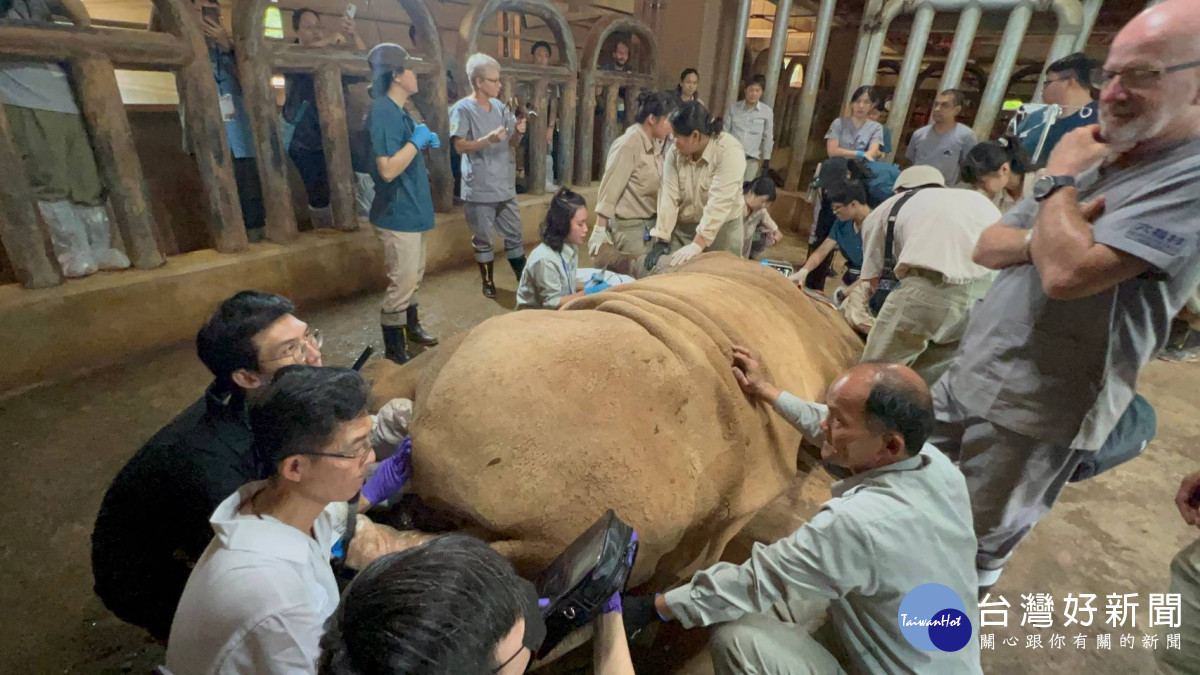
548 281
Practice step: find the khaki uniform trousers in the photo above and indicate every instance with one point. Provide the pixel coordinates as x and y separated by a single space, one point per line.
778 642
58 155
404 261
1185 580
923 321
729 237
629 236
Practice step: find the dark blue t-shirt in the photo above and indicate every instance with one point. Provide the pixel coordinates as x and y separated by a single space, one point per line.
1089 114
405 204
849 241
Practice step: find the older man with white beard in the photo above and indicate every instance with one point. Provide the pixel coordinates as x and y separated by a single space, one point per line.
1094 266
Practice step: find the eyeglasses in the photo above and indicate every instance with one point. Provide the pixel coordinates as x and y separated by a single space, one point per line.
298 351
493 80
939 105
360 453
1138 78
1050 81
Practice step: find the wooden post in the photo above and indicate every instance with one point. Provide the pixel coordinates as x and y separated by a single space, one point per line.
631 97
608 132
537 141
431 101
586 131
116 156
331 109
254 74
566 132
20 229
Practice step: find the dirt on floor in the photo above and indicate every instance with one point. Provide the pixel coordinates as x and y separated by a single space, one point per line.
1115 534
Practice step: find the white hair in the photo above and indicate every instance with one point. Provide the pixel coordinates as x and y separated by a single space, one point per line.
477 64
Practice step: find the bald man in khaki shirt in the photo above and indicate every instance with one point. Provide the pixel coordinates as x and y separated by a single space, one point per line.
700 200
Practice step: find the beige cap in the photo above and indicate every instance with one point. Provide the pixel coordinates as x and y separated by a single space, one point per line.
919 176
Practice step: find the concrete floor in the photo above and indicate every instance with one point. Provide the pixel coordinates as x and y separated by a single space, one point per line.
1115 534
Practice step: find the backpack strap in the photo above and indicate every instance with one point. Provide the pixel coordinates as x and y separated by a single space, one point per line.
889 250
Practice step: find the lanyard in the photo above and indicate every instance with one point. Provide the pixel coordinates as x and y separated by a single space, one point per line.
564 266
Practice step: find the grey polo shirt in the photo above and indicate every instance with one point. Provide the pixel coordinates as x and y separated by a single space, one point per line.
548 277
850 137
488 175
885 532
941 151
754 128
1063 371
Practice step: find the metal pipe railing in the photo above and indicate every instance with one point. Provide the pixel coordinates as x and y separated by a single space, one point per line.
808 95
1010 45
1070 24
918 39
1091 9
870 15
964 36
783 15
735 63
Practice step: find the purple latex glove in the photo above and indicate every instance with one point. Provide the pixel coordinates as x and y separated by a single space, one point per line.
613 604
391 474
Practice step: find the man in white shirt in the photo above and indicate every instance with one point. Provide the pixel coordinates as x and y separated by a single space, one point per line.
752 122
901 520
944 142
258 598
936 229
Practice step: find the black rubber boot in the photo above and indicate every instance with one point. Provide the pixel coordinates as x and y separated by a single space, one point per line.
393 344
518 265
416 334
489 285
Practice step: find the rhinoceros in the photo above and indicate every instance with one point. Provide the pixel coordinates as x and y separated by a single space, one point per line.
530 425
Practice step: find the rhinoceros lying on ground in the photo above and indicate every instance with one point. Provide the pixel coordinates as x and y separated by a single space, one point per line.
528 426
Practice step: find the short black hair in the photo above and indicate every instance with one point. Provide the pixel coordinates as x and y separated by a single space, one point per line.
693 116
1079 66
847 192
655 103
225 344
688 71
539 44
557 224
301 410
298 14
756 80
436 609
761 186
897 404
959 98
987 158
872 95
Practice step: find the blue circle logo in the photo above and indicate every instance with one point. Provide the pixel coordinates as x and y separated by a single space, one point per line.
933 617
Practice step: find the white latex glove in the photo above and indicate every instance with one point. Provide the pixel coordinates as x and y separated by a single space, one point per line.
799 277
599 236
390 426
685 254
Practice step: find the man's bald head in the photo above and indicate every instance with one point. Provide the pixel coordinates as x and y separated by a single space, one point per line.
894 399
1141 103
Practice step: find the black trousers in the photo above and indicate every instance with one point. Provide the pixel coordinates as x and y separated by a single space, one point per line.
245 173
821 230
311 165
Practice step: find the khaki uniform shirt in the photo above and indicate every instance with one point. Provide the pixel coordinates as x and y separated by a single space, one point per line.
707 191
632 176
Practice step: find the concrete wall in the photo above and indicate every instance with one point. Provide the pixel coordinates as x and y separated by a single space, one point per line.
112 317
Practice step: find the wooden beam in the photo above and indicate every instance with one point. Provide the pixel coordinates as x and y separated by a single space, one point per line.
566 131
21 232
133 49
200 103
254 74
116 156
331 109
537 141
293 58
608 132
431 102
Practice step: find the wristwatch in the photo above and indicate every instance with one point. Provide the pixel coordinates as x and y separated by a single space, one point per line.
1048 185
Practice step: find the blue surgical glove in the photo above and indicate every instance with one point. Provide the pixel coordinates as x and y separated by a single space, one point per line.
391 474
424 138
602 286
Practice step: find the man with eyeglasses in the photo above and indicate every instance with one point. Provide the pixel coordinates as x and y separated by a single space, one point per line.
154 521
944 142
1068 85
1093 267
258 597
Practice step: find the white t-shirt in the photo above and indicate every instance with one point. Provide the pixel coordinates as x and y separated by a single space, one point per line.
258 598
936 230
